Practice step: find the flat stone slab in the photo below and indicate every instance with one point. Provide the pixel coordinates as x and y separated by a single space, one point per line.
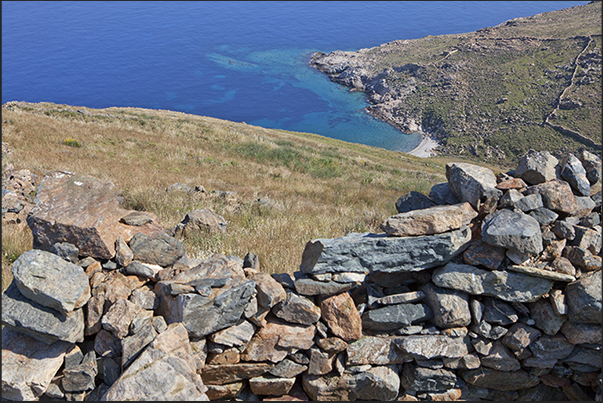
536 272
357 252
51 281
429 221
506 285
38 321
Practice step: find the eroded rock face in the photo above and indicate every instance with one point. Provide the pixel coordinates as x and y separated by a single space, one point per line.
83 211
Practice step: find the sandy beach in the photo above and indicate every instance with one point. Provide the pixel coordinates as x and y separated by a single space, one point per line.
425 147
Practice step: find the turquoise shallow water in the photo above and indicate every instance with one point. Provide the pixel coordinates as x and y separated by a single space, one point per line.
241 61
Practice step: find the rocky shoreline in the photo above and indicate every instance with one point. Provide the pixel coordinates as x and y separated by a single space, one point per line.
470 91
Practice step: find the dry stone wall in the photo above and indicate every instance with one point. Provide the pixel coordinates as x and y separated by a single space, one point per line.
488 288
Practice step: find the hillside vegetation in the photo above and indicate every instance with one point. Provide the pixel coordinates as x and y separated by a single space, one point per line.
492 94
276 189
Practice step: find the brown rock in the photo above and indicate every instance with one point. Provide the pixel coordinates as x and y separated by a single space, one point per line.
482 254
429 221
229 373
556 195
342 317
226 391
270 385
83 211
514 183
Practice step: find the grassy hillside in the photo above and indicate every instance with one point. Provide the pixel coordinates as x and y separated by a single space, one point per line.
492 94
308 186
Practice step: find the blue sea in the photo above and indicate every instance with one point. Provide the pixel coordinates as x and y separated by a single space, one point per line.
236 60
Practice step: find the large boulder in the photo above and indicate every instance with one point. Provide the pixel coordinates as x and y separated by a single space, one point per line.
471 183
165 370
50 281
83 211
429 221
382 253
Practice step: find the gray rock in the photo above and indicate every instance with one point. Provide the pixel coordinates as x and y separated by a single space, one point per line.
442 194
377 383
543 215
28 365
107 345
81 377
419 379
297 309
199 223
205 314
310 287
564 230
165 370
109 370
38 321
427 347
379 252
536 167
66 251
509 198
450 307
500 358
394 317
138 218
123 253
269 385
506 285
138 269
488 331
162 250
373 350
251 260
575 174
582 357
131 346
287 369
499 380
403 298
235 336
143 297
512 230
583 298
413 201
498 312
551 347
471 183
545 317
542 273
529 202
592 165
581 333
50 281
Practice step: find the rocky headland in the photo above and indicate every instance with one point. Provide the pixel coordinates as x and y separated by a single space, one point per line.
531 82
487 288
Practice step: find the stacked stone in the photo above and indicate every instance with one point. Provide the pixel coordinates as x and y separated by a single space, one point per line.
487 289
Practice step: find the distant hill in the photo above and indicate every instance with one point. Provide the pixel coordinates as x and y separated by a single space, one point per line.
492 94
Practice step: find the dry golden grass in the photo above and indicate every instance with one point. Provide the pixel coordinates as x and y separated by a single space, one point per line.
312 186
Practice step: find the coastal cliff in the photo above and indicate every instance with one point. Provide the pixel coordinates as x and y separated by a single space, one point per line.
489 95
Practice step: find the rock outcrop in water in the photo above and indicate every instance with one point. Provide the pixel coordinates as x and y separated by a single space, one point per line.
496 296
